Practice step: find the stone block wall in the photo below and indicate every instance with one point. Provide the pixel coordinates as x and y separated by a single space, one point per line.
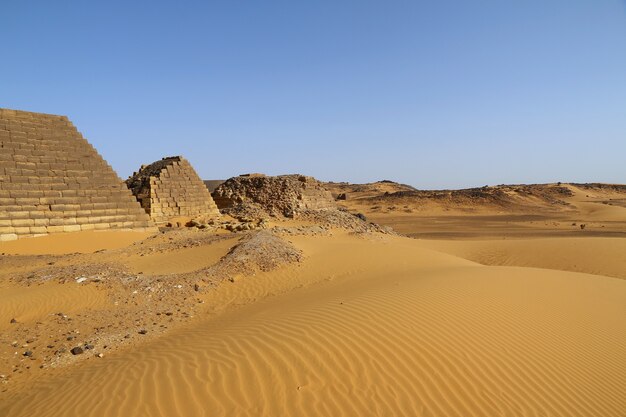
171 188
52 180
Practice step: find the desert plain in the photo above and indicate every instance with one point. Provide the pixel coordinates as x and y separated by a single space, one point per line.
495 301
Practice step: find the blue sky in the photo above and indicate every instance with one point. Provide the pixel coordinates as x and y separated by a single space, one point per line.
434 94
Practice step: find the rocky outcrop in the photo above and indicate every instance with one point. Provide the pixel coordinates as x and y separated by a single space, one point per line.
283 195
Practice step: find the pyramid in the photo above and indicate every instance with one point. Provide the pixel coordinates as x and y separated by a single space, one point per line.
52 180
171 188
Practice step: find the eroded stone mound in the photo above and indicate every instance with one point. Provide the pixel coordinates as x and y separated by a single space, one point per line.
257 251
283 195
171 188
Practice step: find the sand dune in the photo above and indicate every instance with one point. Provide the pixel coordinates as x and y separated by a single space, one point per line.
371 327
600 256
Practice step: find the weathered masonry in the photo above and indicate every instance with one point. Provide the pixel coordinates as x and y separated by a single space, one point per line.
53 180
171 188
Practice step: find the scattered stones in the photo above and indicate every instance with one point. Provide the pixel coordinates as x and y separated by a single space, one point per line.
13 321
193 223
142 331
100 355
361 216
28 353
77 350
582 226
342 219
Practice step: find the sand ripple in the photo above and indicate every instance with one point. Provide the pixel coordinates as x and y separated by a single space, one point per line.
457 341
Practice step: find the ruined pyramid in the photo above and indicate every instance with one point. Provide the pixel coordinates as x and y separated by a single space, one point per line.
171 188
53 180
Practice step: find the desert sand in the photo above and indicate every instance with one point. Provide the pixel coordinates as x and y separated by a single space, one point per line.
479 317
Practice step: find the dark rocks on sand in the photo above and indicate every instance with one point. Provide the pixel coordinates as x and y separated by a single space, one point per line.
77 350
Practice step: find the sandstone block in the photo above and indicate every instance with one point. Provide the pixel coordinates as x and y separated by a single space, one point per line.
18 214
22 222
7 237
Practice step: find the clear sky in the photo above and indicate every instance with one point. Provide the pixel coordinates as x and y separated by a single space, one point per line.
430 93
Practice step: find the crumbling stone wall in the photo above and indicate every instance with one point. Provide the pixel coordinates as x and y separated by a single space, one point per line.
171 188
283 195
52 180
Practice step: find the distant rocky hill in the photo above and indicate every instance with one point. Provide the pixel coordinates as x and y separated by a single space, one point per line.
503 196
344 190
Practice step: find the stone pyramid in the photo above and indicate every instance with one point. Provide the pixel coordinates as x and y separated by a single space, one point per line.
53 180
171 188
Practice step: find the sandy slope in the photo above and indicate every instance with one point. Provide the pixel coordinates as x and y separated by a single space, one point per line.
180 261
600 256
27 304
364 327
78 242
